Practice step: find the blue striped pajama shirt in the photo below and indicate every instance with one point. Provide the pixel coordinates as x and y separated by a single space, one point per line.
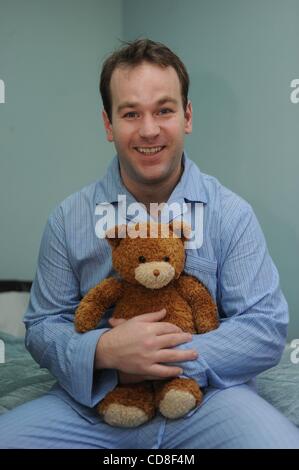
233 262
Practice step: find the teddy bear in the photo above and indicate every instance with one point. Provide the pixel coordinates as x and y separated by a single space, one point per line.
150 265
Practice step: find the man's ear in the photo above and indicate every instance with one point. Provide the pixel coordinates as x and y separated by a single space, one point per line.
115 235
108 126
188 118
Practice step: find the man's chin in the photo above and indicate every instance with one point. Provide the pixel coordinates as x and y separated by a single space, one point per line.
154 178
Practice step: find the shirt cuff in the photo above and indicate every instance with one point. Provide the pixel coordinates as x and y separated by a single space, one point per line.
195 369
89 386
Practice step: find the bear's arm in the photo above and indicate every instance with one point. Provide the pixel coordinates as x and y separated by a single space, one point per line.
204 310
96 302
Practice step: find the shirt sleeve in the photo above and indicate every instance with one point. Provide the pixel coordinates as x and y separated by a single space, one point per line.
51 337
253 328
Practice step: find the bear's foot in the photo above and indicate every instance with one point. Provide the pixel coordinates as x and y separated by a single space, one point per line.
177 397
176 404
128 405
124 416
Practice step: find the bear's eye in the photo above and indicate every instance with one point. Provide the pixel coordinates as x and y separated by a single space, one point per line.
166 258
142 259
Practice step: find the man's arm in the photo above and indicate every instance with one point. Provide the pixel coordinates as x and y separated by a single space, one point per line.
51 337
251 336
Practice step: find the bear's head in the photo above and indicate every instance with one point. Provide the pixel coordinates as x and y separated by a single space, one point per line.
149 254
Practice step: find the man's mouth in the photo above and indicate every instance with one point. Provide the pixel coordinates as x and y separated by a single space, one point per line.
149 150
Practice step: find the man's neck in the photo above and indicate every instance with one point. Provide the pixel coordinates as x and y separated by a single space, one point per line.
153 193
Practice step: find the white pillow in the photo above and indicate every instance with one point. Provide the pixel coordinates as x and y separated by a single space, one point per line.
12 308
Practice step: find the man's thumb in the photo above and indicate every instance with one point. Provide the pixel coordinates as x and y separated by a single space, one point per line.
116 321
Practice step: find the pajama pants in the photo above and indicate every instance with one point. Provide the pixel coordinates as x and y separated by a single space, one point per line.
233 418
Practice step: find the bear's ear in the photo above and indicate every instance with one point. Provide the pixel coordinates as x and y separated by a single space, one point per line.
115 235
180 229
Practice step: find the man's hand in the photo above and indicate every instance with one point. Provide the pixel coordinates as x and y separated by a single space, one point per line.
141 347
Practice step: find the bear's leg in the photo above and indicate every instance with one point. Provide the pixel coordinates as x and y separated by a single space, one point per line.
175 398
128 405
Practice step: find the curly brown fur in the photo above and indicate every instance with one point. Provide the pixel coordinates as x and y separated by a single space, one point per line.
204 309
96 302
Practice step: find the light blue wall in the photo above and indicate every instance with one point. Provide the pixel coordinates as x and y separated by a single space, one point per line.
242 56
51 135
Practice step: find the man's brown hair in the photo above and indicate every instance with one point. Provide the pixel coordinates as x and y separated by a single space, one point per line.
133 53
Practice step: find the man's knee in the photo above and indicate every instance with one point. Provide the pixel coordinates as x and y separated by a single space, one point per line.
253 422
231 419
9 430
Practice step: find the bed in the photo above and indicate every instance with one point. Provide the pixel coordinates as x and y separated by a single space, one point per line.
21 379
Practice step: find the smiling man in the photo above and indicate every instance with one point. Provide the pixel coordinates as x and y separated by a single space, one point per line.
147 113
149 123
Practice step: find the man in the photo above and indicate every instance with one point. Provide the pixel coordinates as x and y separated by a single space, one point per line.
146 114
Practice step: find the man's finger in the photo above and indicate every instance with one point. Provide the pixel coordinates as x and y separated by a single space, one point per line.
174 355
164 328
145 317
172 339
165 372
151 317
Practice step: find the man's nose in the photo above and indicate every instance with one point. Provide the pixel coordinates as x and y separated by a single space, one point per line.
149 127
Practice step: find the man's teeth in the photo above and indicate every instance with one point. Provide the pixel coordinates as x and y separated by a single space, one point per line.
149 150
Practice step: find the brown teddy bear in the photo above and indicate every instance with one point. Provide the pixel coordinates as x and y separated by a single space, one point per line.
151 269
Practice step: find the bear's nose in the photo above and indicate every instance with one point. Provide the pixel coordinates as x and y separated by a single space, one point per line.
156 272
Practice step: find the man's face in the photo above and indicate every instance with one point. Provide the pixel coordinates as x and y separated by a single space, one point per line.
148 123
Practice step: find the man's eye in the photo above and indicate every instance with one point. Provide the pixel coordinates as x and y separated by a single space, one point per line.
130 115
165 111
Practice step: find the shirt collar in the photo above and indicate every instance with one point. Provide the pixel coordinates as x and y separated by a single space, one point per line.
189 188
